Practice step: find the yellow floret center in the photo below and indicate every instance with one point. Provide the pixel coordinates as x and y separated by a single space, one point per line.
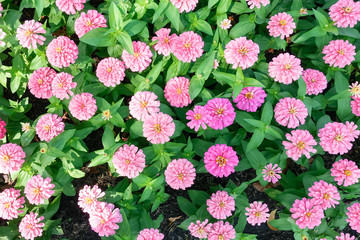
127 161
102 221
326 196
157 128
200 230
292 111
82 106
221 237
6 158
58 49
287 66
107 113
243 51
109 70
221 204
338 138
221 161
282 22
7 205
197 116
180 176
136 55
178 91
187 45
219 111
40 81
143 104
88 23
28 33
341 52
166 40
355 90
249 95
36 190
271 173
300 145
60 85
347 173
313 80
308 214
47 128
257 214
88 200
347 9
29 226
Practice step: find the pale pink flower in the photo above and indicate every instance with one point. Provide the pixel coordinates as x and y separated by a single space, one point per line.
339 53
355 89
303 11
290 112
285 68
143 104
129 161
345 13
271 173
150 234
49 126
220 205
257 213
355 106
216 64
354 216
40 82
250 99
89 21
110 71
2 129
184 5
300 142
220 160
1 9
222 231
344 236
10 203
187 47
326 195
141 58
11 158
257 3
104 219
221 113
200 229
241 53
315 81
176 92
158 128
346 172
83 106
62 84
197 117
88 198
353 129
281 24
61 52
2 36
38 189
28 34
70 6
25 127
164 41
306 213
180 174
30 228
225 24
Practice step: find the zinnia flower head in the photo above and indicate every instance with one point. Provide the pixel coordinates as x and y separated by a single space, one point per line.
285 68
281 24
150 234
141 58
89 21
49 126
110 71
158 128
216 64
241 53
306 213
143 104
10 203
220 160
354 216
257 3
11 158
61 52
221 113
83 106
290 112
62 84
225 24
315 81
70 6
104 219
271 173
2 129
25 127
198 116
339 53
30 228
326 195
184 5
2 36
187 47
345 13
129 161
355 106
220 205
303 11
88 198
346 172
344 236
200 229
28 34
257 213
40 82
353 129
300 142
38 189
355 89
177 92
219 230
250 99
164 41
180 174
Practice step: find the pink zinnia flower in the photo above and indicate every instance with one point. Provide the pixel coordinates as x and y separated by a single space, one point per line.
62 84
30 228
290 112
2 129
281 24
222 231
129 161
250 99
177 92
285 68
49 126
326 195
184 5
143 104
40 82
220 160
301 142
164 41
188 46
353 129
355 106
28 34
88 198
83 106
257 3
221 113
315 81
61 52
197 117
216 64
150 234
180 174
110 71
11 158
241 53
220 205
344 236
345 13
1 8
104 219
339 53
141 58
303 11
271 173
38 189
306 213
345 172
225 24
354 216
355 89
70 6
158 128
89 21
257 213
200 229
10 203
2 36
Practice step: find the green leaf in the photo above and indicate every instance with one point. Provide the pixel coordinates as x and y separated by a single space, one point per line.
186 206
39 7
27 137
256 139
241 29
115 17
141 180
267 113
203 26
350 32
98 38
226 77
273 132
173 14
256 159
321 18
76 173
195 86
211 3
343 94
223 6
146 194
302 88
160 9
134 27
52 208
256 123
98 160
108 138
124 227
137 128
315 32
125 40
252 82
282 224
60 140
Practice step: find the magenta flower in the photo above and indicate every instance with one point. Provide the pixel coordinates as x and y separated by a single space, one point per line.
344 236
38 189
141 58
285 68
143 104
241 53
2 129
257 213
28 34
306 213
281 24
354 216
187 47
301 142
221 113
315 81
180 174
10 203
110 71
129 161
345 172
200 229
290 112
40 82
326 195
70 6
220 160
49 126
220 205
150 234
225 24
355 106
83 106
355 89
11 158
62 84
184 5
104 219
345 13
222 231
250 99
88 198
158 128
164 41
198 116
61 52
30 228
339 53
177 92
2 36
271 173
89 21
257 3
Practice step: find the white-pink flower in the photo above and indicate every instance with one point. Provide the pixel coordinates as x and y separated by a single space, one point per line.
28 34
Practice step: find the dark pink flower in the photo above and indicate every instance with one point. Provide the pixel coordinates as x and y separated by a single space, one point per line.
220 160
241 53
250 99
221 113
315 80
129 161
40 82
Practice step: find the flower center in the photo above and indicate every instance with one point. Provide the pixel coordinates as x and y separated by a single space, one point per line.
347 173
82 106
197 116
243 50
166 40
89 200
355 90
201 230
347 9
326 196
28 33
257 214
40 81
249 95
127 161
300 145
102 221
287 66
338 138
341 52
29 226
60 85
136 55
180 176
6 158
7 205
58 50
47 128
109 70
107 114
157 128
221 237
271 173
282 22
308 214
221 161
143 104
292 111
178 91
313 80
88 23
187 45
219 111
36 191
221 204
